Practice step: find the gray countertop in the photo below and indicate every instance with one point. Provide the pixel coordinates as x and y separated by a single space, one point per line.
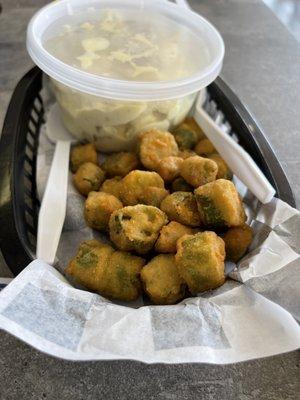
262 66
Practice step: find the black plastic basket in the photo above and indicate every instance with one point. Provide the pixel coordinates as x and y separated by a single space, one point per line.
19 204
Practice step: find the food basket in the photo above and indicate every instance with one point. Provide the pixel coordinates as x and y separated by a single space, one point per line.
19 204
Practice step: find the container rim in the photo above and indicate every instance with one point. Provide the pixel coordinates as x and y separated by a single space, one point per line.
115 88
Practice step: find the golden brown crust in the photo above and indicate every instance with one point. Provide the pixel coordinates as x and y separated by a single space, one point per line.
219 204
181 185
181 207
161 280
120 164
135 187
237 240
156 145
204 147
136 228
98 208
198 171
168 236
169 168
200 261
186 154
112 186
100 268
88 178
81 154
223 169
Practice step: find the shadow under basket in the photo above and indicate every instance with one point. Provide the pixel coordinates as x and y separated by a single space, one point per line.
19 205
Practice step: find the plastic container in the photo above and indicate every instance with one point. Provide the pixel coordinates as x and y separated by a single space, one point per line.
122 66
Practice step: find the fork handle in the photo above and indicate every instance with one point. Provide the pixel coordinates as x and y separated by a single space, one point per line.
239 161
53 209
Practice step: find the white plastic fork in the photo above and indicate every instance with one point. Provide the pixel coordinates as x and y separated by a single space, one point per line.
53 209
238 160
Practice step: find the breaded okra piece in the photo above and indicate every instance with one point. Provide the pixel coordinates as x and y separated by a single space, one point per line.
98 208
223 169
181 185
237 240
200 261
83 153
89 264
204 147
219 204
186 154
168 236
189 124
169 168
112 186
156 145
185 137
135 188
114 274
181 207
136 228
198 171
88 178
122 276
120 164
162 281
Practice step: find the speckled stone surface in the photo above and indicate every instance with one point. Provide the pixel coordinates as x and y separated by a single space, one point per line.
262 66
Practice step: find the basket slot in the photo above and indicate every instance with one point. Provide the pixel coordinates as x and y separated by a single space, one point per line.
28 186
32 128
29 152
34 114
30 144
28 206
34 120
28 164
32 240
37 106
30 220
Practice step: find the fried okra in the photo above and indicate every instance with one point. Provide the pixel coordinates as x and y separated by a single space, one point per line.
153 196
136 228
135 187
185 138
219 204
181 207
120 164
112 186
156 145
161 280
98 208
180 185
189 124
115 274
223 169
168 236
88 177
89 264
204 147
200 261
169 168
81 154
237 240
198 171
122 277
186 154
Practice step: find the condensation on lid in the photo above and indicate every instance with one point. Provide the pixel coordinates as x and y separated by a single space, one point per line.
132 45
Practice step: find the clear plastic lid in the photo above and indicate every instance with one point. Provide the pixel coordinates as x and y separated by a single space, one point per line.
125 49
